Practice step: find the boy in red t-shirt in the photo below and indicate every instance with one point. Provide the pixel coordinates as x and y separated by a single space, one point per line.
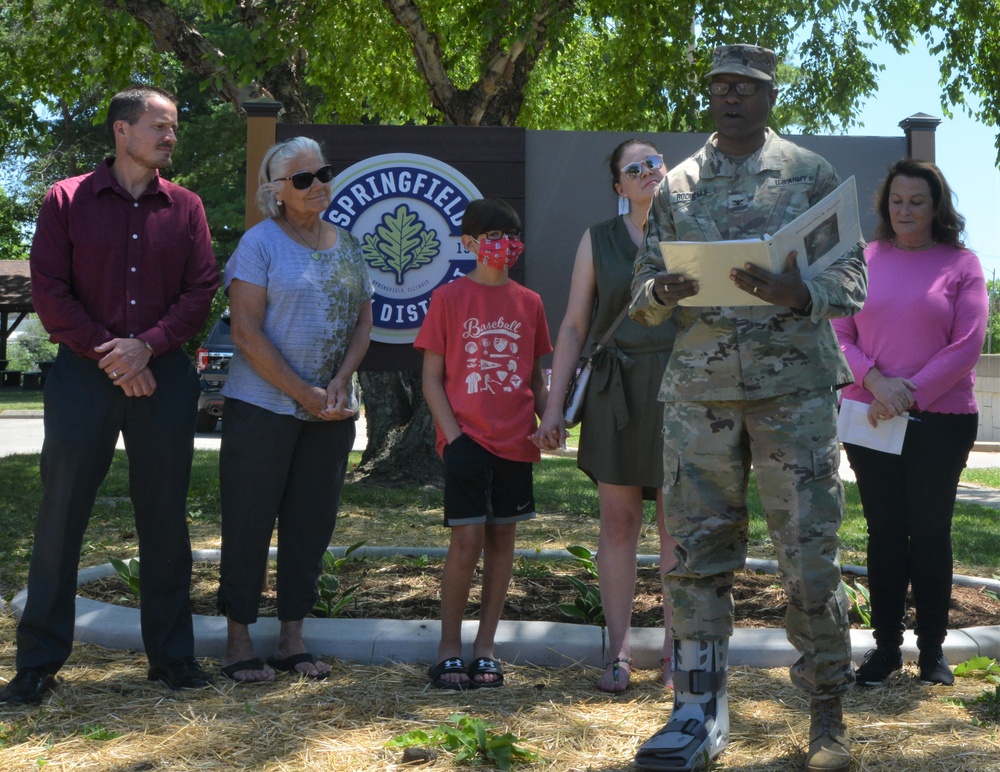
483 382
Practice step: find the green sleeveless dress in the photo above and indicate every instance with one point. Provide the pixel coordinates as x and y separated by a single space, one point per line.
621 441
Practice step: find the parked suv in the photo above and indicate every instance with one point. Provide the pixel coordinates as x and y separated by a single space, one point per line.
212 364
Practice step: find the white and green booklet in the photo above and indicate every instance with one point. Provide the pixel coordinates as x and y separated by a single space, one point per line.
821 235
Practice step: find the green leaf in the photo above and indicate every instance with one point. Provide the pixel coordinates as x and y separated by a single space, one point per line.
416 737
570 610
400 243
501 755
977 666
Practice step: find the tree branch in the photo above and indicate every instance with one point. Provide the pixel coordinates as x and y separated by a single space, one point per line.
427 52
208 63
502 85
496 98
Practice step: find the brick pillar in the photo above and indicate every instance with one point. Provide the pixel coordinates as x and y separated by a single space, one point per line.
920 129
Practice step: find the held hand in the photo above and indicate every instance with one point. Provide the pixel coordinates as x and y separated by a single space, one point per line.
338 402
894 394
138 384
878 412
671 288
123 358
315 402
781 289
551 433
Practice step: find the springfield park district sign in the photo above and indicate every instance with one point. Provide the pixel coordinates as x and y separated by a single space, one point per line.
406 210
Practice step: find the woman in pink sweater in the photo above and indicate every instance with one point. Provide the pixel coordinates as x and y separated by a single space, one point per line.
913 348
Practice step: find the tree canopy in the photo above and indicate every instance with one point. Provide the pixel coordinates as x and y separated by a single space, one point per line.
596 64
13 217
546 64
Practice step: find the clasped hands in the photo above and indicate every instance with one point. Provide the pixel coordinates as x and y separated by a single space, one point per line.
780 289
125 361
551 433
332 403
893 395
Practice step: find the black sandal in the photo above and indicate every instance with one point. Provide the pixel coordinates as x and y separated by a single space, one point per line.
482 666
451 665
290 665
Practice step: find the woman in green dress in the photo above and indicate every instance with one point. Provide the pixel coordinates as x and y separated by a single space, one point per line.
621 439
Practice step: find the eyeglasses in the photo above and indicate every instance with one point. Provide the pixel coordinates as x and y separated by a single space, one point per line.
513 233
743 88
652 163
302 180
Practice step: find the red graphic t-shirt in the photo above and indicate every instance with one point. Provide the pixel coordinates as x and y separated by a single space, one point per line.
490 338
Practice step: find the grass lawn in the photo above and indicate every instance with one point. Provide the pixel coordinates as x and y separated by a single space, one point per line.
567 505
20 399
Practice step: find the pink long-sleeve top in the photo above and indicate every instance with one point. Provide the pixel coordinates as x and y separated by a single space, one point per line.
924 319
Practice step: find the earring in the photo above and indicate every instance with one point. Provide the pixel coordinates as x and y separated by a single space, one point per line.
623 205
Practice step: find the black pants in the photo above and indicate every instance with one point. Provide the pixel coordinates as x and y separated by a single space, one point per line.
277 467
84 414
908 501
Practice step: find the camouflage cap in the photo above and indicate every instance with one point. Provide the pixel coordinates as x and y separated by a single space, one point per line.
742 59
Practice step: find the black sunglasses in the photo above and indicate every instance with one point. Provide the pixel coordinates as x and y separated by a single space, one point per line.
743 88
302 180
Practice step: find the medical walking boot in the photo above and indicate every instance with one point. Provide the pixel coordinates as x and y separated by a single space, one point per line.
698 729
829 749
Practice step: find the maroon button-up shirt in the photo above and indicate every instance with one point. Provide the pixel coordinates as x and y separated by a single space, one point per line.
106 265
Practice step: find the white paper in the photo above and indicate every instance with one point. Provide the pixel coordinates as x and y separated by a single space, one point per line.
853 427
821 235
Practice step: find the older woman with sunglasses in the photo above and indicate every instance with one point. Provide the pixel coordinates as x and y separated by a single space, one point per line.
621 446
301 311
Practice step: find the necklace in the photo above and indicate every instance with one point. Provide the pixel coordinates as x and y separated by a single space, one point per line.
918 248
316 254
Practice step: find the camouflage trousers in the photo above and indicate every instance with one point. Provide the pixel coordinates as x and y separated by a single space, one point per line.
792 442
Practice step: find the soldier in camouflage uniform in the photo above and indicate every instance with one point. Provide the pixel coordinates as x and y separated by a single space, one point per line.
749 384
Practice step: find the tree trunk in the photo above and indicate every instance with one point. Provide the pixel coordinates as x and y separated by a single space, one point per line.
401 433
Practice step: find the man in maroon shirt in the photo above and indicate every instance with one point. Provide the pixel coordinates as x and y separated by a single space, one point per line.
122 273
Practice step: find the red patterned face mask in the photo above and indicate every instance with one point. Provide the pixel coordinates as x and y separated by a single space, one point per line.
500 253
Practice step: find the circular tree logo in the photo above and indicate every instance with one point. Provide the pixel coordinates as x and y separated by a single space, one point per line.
406 210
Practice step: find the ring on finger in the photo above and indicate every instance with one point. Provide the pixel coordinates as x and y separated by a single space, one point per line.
114 373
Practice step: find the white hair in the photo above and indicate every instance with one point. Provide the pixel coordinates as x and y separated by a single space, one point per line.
274 165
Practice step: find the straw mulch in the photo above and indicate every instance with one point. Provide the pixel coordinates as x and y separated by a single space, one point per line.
107 716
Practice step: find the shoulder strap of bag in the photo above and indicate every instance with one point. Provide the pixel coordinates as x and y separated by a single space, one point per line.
611 330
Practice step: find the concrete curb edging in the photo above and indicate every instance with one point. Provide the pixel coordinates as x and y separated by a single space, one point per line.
548 644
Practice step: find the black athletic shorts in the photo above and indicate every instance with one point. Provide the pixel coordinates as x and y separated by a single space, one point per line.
480 487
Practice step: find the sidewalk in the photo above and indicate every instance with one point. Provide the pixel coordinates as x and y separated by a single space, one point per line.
549 644
21 431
